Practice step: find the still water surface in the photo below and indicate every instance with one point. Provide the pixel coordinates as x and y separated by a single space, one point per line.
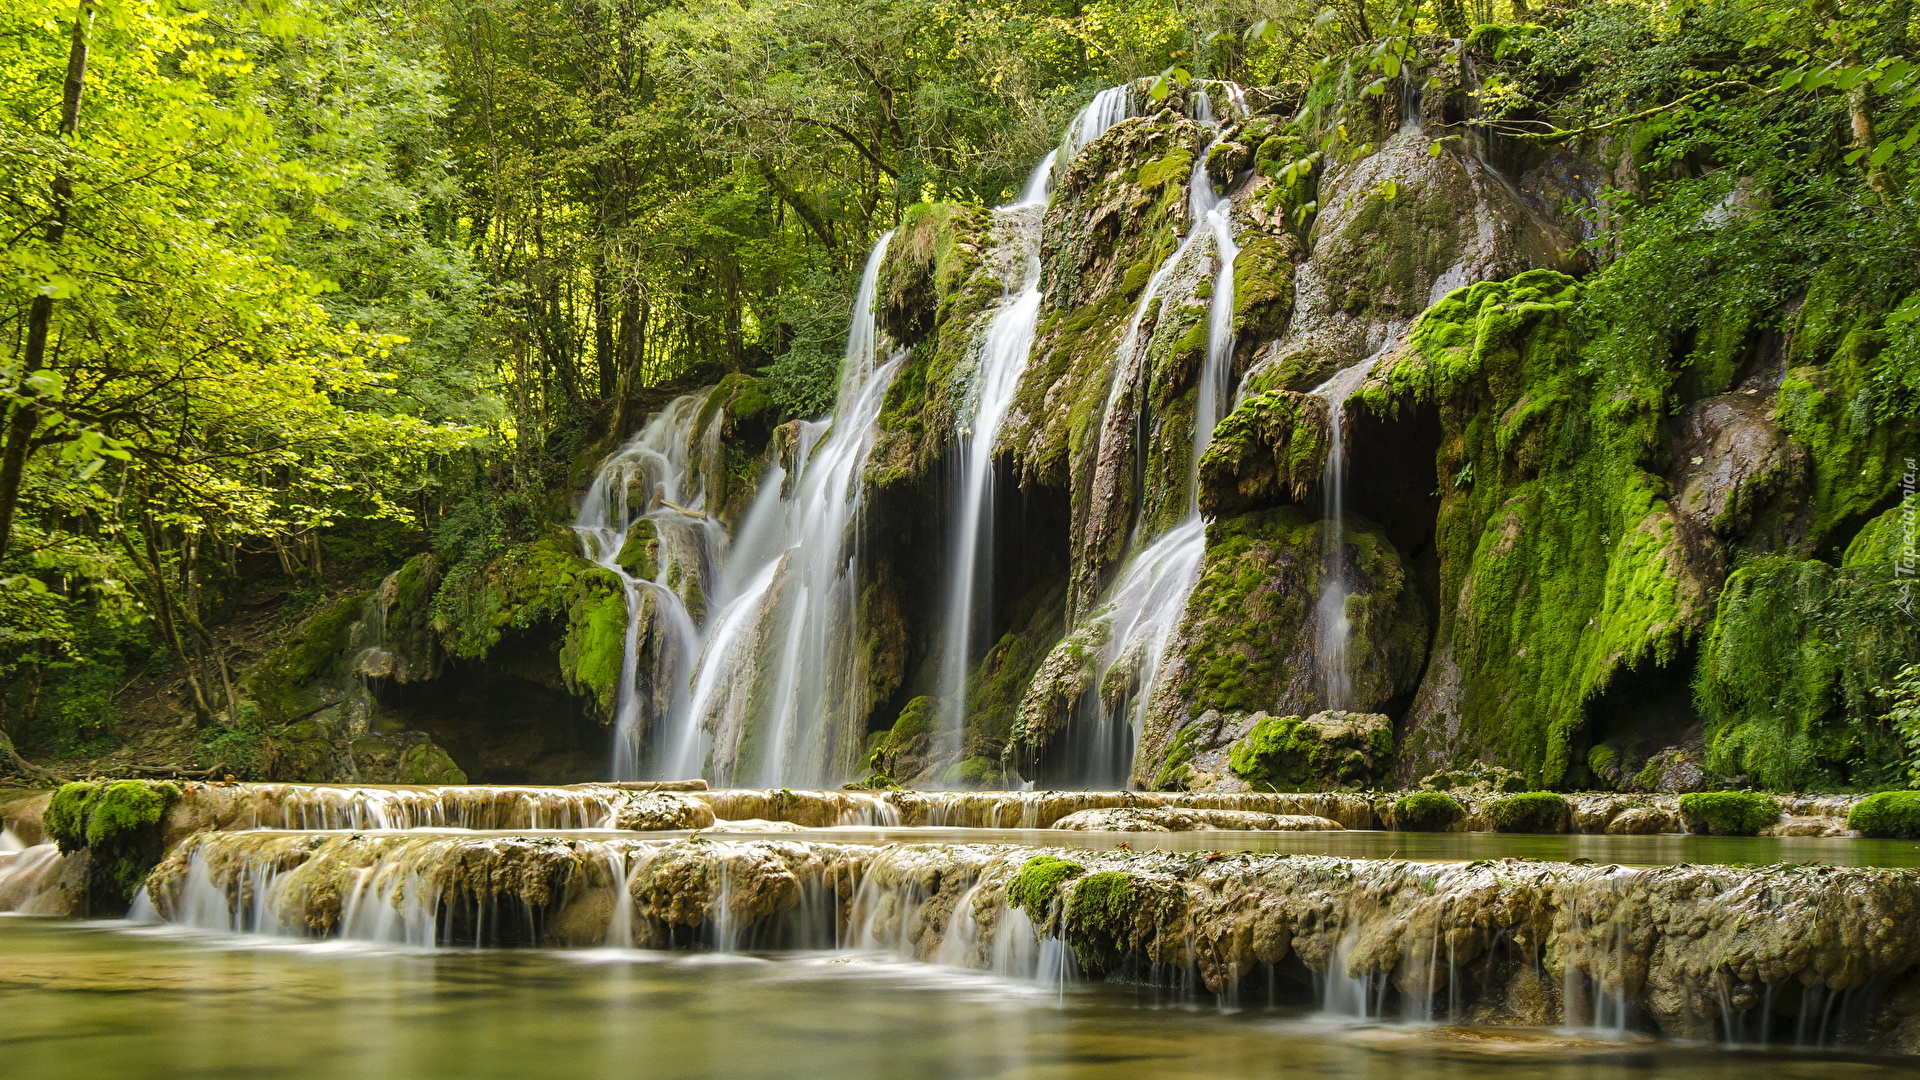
94 1000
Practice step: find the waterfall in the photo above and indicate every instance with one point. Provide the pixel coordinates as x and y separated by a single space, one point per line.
649 485
1003 351
794 620
1145 603
1335 628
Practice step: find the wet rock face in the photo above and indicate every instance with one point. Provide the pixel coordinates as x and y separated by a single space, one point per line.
1733 463
1248 647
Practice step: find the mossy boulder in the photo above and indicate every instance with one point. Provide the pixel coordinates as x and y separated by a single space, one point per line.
1425 811
1324 752
903 750
1887 815
299 675
1728 813
1249 640
118 824
1527 812
409 757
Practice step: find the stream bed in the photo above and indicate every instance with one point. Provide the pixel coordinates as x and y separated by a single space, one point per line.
100 1000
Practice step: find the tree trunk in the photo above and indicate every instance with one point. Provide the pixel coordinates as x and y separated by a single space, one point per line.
26 413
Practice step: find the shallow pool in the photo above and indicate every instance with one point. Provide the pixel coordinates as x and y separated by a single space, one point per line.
98 1000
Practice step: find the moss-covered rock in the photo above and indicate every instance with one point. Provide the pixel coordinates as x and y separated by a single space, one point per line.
1887 815
117 824
1425 811
1561 565
1271 450
1527 812
1728 813
1249 640
1324 752
296 677
1036 886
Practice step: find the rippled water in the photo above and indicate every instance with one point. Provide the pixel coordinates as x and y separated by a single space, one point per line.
90 1001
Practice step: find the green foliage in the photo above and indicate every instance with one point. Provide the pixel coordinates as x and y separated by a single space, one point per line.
1728 813
1887 815
1527 812
1035 887
1904 716
1791 674
1425 811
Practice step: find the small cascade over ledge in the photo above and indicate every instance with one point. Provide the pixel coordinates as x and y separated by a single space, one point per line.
1747 955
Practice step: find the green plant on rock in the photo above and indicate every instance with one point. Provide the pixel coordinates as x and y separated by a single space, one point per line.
1100 914
1728 813
1887 815
117 823
1287 753
1425 811
1527 812
1036 885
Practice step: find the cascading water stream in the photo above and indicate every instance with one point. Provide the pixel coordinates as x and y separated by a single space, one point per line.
656 466
794 616
1145 603
1003 353
1335 628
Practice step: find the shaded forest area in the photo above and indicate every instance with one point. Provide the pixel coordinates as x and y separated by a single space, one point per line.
300 289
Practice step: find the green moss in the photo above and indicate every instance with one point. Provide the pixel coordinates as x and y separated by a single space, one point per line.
1269 451
593 648
410 617
1034 888
118 824
1790 675
319 648
1425 811
1560 563
1887 815
1175 773
523 587
1527 812
640 555
1728 813
1248 639
1286 753
1100 916
1175 166
902 749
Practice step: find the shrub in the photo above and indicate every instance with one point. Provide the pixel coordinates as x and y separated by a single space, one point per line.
1038 881
1728 813
1425 811
1527 812
1889 815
